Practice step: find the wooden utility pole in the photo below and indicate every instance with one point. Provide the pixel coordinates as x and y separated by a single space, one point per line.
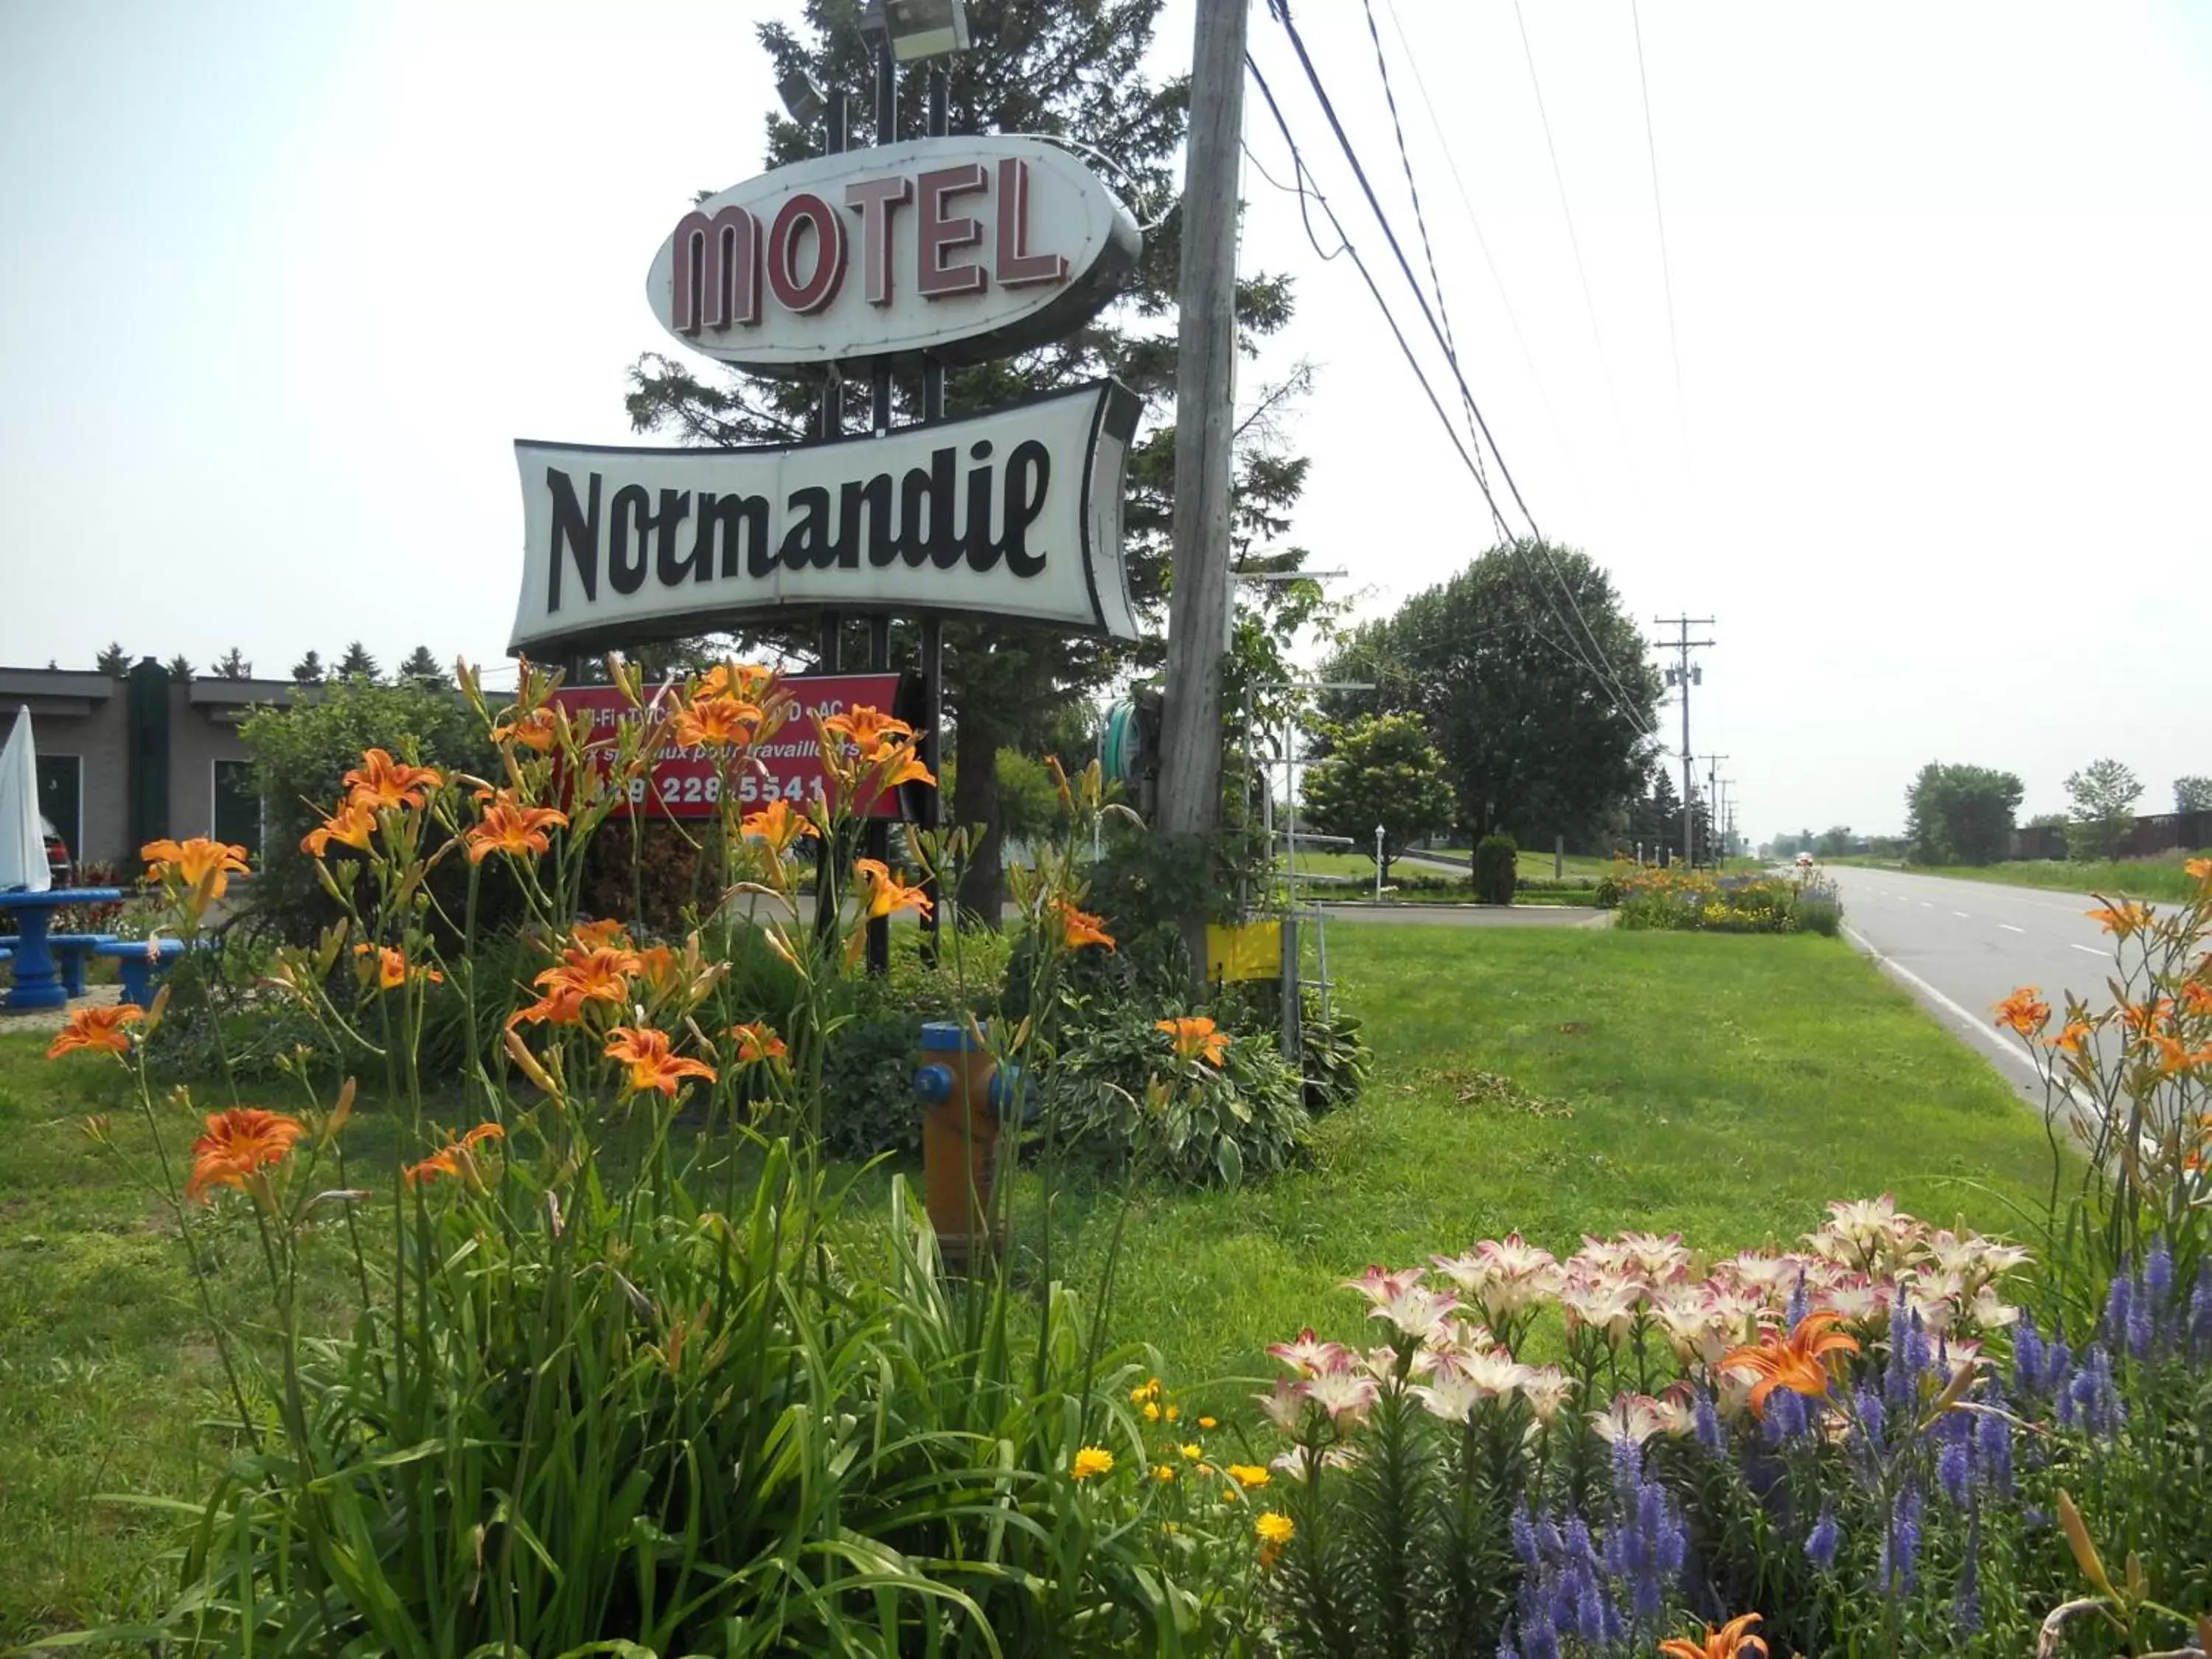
1198 606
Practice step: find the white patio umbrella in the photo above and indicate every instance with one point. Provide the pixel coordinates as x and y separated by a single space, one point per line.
23 865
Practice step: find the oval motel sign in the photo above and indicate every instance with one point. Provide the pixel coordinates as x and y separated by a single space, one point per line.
968 248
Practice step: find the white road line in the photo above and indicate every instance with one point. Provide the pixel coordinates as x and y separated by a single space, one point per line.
1962 915
1988 1038
2089 950
1926 905
2009 928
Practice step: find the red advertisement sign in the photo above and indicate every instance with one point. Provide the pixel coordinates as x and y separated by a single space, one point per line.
687 783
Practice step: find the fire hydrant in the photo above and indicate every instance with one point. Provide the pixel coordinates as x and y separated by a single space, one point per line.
963 1093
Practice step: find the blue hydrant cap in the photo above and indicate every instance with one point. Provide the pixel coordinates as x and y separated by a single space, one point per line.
948 1036
933 1084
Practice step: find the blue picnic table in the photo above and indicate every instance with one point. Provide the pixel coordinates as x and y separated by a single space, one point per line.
38 977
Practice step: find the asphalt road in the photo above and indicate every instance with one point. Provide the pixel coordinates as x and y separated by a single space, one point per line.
1962 947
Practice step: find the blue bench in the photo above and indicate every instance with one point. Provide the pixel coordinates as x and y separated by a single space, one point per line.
70 952
139 963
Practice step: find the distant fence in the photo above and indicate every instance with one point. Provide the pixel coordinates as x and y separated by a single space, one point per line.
2161 832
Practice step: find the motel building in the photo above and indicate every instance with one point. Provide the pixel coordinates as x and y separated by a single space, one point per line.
126 761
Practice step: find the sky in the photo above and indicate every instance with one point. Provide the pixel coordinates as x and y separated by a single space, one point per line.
1914 405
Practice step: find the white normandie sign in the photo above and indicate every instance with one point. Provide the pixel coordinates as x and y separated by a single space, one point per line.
968 248
1013 514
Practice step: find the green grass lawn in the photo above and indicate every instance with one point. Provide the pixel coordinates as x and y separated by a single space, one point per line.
1727 1086
2138 878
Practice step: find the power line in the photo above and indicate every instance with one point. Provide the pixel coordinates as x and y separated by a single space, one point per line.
1574 240
1420 219
1608 681
1481 241
1297 162
1598 668
1659 213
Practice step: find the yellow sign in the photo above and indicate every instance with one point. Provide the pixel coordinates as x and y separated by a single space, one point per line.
1253 951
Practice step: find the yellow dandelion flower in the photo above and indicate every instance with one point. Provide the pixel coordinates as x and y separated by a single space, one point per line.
1193 1452
1152 1412
1090 1461
1248 1475
1207 1424
1174 1412
1163 1473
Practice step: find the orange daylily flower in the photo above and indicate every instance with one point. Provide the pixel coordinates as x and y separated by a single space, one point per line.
2122 919
2199 870
2143 1017
1796 1362
778 826
2197 996
194 860
238 1145
352 824
2175 1056
883 894
456 1158
508 826
539 729
899 765
868 729
393 970
608 930
1195 1038
659 966
1080 927
717 722
1733 1640
380 782
652 1066
757 1042
2070 1040
2024 1012
596 973
745 681
97 1028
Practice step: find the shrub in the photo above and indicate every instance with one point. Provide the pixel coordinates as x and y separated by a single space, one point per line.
1224 1108
1496 869
301 754
1817 908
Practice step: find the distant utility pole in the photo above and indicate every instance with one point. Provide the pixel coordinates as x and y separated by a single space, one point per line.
1198 605
1713 800
1684 677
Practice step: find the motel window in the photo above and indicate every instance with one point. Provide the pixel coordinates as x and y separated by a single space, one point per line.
238 806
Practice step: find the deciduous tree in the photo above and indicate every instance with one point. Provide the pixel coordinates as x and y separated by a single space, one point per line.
1957 814
2104 795
2192 794
1543 726
1380 770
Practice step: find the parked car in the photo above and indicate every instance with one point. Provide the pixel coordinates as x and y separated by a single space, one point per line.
1804 861
57 852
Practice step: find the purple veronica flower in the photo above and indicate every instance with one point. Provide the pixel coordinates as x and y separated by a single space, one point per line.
1785 1416
1900 1544
1954 1458
2027 1356
2058 1364
2200 1314
1524 1535
1966 1601
2119 1307
2158 1273
1505 1648
2143 1322
1800 1303
1708 1424
1821 1545
1993 1449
